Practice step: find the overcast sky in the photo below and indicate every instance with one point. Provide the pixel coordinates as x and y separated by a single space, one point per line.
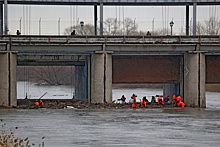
45 19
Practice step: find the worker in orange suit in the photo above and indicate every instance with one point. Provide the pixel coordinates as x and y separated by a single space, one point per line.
181 104
134 104
144 102
174 99
160 100
36 104
41 103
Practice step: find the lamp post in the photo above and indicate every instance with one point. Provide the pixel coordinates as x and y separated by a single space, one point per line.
20 24
40 26
171 27
81 24
59 26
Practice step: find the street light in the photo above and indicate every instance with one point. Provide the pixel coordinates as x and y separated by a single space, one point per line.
171 26
20 24
40 26
81 24
59 26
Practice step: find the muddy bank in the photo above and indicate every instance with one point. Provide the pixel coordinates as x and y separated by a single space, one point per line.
73 104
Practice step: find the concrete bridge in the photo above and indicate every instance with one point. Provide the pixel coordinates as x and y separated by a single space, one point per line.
184 64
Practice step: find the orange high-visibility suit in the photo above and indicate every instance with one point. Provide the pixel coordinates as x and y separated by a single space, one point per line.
160 101
181 104
41 103
134 104
36 104
178 99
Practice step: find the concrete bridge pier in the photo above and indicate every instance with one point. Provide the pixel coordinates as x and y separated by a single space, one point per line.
80 82
194 79
101 77
8 81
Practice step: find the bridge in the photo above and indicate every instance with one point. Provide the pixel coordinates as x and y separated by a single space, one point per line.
101 4
184 64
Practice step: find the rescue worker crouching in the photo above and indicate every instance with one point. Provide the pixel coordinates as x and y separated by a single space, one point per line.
160 100
121 100
144 102
134 104
38 104
179 102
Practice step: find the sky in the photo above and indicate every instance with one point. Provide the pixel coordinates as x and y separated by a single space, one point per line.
52 20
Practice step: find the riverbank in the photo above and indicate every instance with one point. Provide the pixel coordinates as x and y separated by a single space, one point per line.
72 104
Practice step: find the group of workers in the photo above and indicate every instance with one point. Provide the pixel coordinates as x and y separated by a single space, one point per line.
176 101
38 104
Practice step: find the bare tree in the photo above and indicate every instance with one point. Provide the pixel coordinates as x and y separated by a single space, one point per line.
52 75
111 26
87 29
211 26
130 26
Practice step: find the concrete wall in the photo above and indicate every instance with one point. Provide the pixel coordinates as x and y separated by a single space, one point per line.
4 84
8 81
101 77
13 79
146 69
80 82
194 79
212 69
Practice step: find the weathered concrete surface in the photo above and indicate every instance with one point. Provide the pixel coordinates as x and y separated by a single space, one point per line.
212 69
108 79
80 83
101 78
4 79
194 79
13 79
146 69
8 81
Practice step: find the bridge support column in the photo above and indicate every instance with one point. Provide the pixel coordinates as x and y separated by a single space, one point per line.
101 77
194 79
8 81
80 82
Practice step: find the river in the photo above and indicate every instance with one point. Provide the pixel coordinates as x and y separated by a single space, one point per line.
191 127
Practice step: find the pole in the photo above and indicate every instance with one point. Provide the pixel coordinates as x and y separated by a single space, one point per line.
20 24
152 26
171 31
194 18
101 17
6 16
59 26
40 26
187 20
95 19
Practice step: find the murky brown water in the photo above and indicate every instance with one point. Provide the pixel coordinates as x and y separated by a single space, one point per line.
142 127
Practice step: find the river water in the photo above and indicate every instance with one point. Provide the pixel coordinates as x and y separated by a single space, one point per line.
188 127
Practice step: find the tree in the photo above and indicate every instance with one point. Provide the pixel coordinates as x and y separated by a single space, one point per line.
52 75
111 26
211 26
87 29
130 26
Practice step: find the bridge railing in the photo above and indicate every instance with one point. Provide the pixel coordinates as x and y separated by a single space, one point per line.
27 39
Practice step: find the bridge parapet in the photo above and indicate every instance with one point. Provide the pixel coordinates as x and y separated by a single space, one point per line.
22 40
